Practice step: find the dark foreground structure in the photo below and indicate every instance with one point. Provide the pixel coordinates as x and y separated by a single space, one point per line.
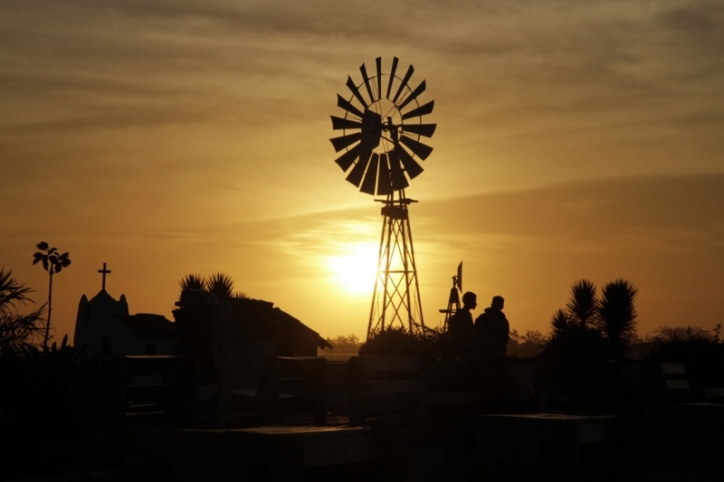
376 418
237 409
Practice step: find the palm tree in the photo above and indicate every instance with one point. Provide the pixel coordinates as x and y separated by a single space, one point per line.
221 286
559 323
12 293
53 262
192 282
583 305
581 311
614 315
16 331
617 315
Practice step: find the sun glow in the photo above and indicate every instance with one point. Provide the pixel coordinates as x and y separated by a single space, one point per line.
354 269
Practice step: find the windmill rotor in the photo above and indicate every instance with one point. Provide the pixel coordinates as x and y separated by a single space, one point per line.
383 129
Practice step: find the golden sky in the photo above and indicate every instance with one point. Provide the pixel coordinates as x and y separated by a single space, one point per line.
575 140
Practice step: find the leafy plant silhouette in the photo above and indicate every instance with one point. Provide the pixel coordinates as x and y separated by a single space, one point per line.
585 336
583 306
192 282
17 331
613 316
617 316
219 284
53 262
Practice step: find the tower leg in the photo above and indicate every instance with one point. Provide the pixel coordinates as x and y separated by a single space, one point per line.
396 297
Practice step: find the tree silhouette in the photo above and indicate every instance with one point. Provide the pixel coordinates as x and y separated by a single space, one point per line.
528 344
192 282
17 331
583 306
53 262
617 315
686 334
613 315
221 286
702 350
560 324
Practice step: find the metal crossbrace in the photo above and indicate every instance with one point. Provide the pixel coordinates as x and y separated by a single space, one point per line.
396 297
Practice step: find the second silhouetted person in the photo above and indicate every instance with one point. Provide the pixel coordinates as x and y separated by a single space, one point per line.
492 329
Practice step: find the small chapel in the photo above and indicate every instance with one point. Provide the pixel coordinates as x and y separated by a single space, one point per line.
105 327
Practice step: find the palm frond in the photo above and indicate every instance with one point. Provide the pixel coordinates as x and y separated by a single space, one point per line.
192 282
221 285
560 323
583 305
618 313
12 292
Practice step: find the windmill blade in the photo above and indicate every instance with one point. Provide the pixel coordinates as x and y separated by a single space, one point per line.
410 70
341 142
370 180
363 69
384 181
392 76
378 61
426 130
346 159
358 171
415 93
341 102
460 276
339 123
355 91
397 176
420 111
412 168
421 150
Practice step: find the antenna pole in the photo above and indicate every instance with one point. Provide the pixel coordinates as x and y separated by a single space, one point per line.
396 297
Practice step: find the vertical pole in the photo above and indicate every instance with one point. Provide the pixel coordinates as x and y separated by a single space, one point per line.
50 309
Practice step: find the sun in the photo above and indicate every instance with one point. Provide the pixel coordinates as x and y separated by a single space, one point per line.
353 270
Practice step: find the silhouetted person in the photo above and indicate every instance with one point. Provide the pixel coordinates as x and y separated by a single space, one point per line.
492 333
492 329
462 321
461 329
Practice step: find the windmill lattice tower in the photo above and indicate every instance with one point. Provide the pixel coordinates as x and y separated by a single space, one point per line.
380 145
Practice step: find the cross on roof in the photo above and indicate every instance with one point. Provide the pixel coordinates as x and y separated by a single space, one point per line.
104 271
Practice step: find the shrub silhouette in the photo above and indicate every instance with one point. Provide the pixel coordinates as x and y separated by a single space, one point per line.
397 341
18 332
585 337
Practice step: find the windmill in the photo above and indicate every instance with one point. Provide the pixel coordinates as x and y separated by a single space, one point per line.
453 301
380 148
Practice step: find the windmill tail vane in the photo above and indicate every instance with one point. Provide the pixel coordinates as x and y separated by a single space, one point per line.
453 303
